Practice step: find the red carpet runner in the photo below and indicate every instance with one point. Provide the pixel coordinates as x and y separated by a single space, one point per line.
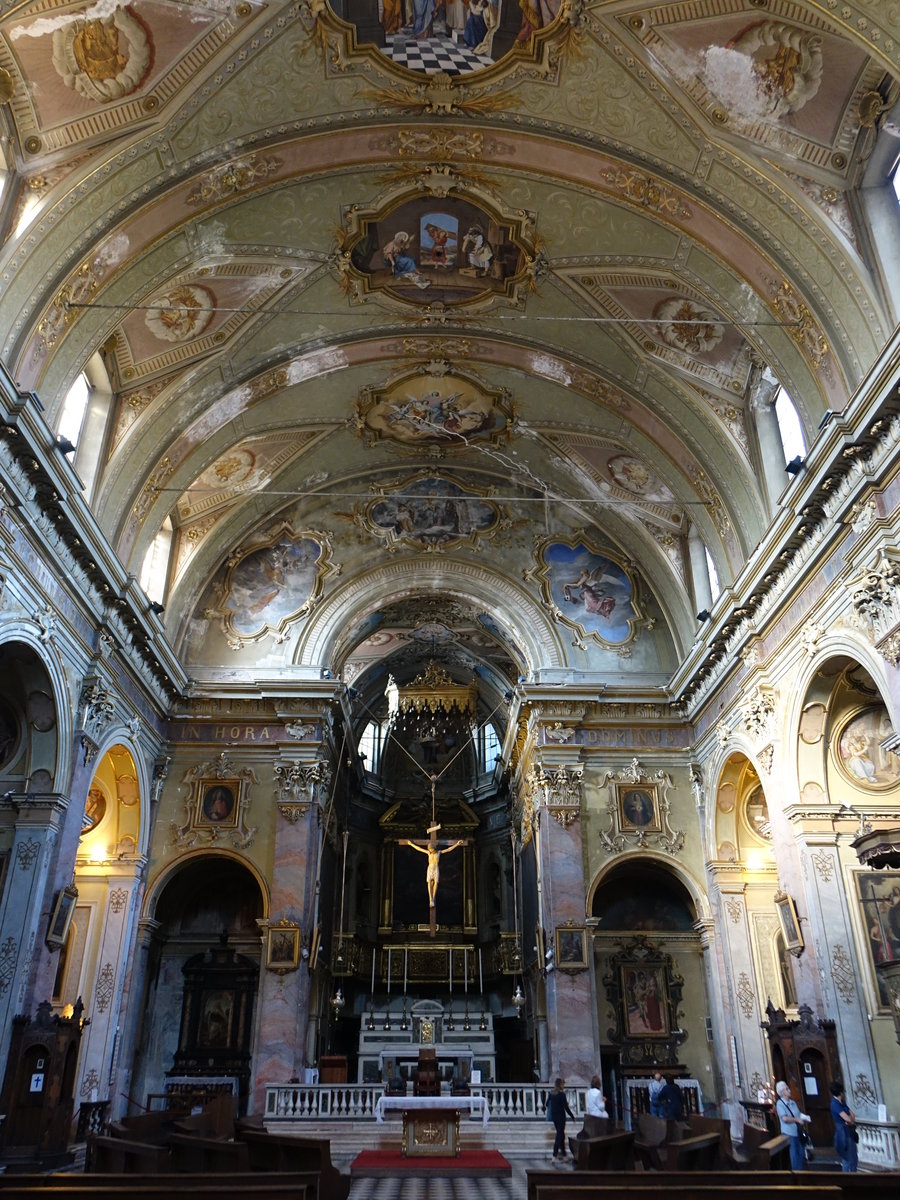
375 1163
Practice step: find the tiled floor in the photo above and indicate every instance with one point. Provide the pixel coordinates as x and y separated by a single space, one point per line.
433 54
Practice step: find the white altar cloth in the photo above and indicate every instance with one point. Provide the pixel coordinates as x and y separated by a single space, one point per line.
473 1104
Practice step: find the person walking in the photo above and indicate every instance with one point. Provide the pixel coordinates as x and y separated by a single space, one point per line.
846 1135
656 1086
792 1120
558 1109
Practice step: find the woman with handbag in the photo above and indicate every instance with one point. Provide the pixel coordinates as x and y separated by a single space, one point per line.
792 1122
846 1134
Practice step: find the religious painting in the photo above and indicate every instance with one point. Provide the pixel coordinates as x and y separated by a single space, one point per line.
283 947
571 948
9 734
756 813
859 750
217 803
430 513
216 1013
879 901
790 923
451 252
644 999
588 590
431 408
61 917
638 807
269 584
94 810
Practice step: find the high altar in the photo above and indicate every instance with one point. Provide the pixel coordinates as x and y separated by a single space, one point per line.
390 1042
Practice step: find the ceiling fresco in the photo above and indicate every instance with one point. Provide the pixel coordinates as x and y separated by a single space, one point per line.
440 332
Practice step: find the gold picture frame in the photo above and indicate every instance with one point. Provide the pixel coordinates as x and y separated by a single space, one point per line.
637 806
571 947
283 947
789 922
61 918
217 803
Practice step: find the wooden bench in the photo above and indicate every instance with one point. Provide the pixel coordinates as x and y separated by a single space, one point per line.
292 1186
284 1152
698 1153
551 1185
711 1185
120 1156
193 1155
608 1152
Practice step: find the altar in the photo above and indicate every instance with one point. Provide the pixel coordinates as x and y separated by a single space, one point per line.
431 1123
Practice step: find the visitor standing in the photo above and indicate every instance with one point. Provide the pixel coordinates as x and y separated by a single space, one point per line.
558 1109
846 1135
792 1121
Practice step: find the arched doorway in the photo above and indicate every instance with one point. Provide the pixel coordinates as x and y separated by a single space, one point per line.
198 1013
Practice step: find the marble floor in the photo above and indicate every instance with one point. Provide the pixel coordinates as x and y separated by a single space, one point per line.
460 1188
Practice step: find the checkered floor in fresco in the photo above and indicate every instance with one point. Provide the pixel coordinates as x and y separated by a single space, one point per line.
432 55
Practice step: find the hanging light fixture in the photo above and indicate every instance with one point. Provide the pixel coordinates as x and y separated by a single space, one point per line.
422 709
518 999
337 1002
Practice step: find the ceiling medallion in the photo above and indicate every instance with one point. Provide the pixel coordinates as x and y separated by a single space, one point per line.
451 59
587 589
435 406
453 247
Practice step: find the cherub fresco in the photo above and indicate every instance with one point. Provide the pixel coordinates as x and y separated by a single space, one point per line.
590 590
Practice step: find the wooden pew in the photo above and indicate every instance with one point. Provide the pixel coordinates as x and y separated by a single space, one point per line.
193 1155
698 1153
608 1152
284 1152
121 1156
712 1185
291 1186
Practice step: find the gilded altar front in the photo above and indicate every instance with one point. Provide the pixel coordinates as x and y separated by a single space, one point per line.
430 1131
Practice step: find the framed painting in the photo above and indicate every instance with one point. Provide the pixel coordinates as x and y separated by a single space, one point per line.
217 803
571 947
283 947
638 807
789 921
859 753
645 1001
61 918
879 903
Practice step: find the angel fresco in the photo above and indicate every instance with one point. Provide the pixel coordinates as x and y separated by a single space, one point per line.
589 590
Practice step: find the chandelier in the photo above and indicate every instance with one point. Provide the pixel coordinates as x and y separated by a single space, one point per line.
432 699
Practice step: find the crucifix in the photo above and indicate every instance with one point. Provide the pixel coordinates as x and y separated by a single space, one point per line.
431 849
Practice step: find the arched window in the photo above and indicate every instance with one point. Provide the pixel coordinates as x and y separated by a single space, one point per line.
487 747
83 418
370 745
155 571
71 415
789 426
714 586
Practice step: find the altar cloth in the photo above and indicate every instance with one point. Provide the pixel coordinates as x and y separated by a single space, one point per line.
473 1105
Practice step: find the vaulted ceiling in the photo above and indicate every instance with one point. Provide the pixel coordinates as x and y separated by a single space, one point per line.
395 348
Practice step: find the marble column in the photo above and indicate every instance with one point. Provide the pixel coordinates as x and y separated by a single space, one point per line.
283 1002
561 857
113 899
28 898
746 1001
844 1001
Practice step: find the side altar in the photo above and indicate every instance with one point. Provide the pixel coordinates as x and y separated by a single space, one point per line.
390 1041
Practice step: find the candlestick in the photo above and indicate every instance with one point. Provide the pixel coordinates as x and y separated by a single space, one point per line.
373 972
480 977
389 970
405 966
466 970
451 970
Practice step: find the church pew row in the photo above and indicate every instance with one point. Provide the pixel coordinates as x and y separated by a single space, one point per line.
607 1152
284 1152
711 1185
162 1187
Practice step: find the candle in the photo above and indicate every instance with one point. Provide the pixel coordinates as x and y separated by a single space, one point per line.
389 970
480 978
405 966
373 970
451 970
466 970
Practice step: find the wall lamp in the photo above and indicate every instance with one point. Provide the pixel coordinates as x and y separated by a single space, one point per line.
795 466
703 614
64 446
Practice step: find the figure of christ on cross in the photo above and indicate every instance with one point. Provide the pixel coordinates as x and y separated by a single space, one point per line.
432 874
